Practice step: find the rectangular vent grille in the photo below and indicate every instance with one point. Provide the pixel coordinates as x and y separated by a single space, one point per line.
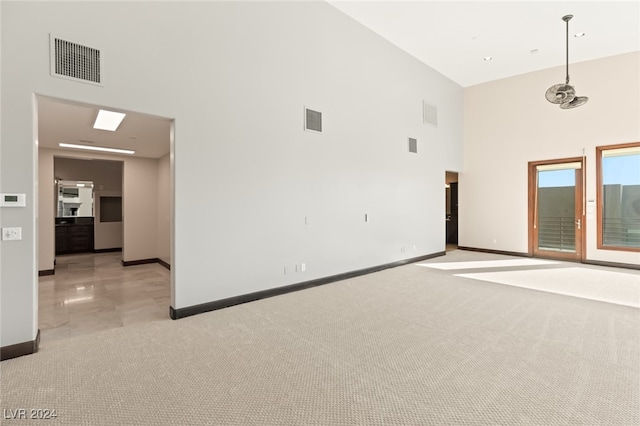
312 120
413 145
75 61
429 114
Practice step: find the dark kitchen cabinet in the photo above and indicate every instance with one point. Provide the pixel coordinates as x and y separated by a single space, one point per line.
74 238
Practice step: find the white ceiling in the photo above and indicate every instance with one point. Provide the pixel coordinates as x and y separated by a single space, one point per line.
454 37
71 122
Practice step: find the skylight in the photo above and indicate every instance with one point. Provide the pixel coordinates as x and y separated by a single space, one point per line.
108 120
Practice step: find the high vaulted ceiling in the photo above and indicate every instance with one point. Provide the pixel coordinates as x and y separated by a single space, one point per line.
454 37
450 36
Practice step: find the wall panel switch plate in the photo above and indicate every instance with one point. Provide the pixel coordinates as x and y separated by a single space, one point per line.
13 200
11 234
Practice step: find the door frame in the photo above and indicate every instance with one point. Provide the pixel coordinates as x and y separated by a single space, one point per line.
580 207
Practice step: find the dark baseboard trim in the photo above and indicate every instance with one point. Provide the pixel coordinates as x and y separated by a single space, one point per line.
586 261
46 272
20 349
482 250
250 297
139 262
612 264
108 250
146 261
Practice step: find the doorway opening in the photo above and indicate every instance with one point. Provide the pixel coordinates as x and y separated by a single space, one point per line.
556 209
451 212
121 272
88 217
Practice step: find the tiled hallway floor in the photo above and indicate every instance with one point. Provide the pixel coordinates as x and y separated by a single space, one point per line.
93 292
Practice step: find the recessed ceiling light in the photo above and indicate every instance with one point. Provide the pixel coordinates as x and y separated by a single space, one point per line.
488 58
108 120
580 35
96 148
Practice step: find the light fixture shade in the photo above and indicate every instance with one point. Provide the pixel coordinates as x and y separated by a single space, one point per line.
575 102
97 148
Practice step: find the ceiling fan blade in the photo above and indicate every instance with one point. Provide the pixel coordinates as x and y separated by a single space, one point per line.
575 102
560 93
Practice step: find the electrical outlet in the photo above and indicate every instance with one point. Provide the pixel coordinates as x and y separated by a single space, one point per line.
11 234
303 267
285 270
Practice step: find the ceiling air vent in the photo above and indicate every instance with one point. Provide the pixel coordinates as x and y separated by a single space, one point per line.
74 61
429 114
312 120
413 145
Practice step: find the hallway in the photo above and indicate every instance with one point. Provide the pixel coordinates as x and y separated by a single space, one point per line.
94 292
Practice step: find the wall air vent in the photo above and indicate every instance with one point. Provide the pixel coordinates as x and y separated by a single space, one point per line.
429 114
413 145
312 120
74 61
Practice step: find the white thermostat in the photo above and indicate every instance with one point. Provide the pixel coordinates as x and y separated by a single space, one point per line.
13 200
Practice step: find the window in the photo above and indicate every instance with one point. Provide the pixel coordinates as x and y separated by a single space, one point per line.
618 174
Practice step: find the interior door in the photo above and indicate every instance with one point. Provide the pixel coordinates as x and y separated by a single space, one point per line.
556 209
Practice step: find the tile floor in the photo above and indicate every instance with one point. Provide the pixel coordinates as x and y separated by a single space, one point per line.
94 292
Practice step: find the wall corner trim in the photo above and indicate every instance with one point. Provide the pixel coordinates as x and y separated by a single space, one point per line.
263 294
20 349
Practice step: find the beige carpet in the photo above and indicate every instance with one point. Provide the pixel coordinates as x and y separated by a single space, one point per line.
405 346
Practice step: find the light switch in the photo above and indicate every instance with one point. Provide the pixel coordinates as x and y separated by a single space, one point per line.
11 234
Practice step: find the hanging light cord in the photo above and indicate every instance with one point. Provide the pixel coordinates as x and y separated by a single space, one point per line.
567 21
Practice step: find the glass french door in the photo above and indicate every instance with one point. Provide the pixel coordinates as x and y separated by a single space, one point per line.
556 209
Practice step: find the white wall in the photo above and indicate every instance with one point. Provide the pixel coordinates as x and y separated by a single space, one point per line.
105 174
164 209
47 196
508 123
235 77
139 207
107 235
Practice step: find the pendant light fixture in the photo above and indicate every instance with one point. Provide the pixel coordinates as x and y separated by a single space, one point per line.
565 94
